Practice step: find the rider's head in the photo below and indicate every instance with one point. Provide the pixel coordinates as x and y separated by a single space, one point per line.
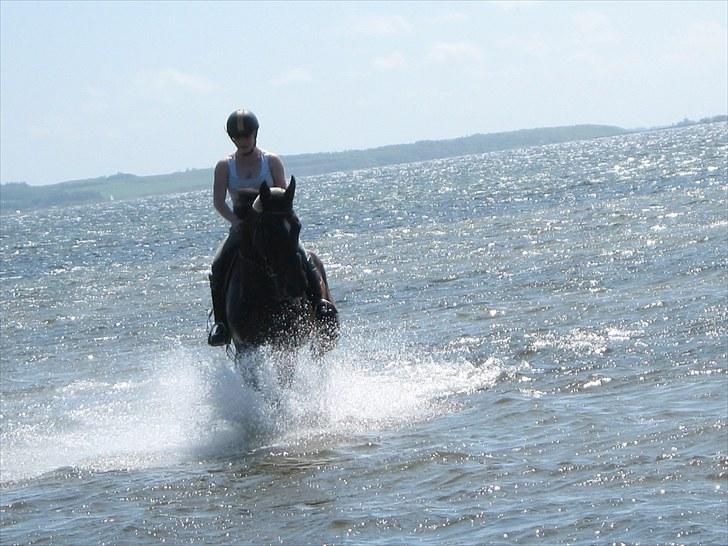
242 123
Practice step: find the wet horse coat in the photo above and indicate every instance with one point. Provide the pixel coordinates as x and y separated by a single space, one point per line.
266 290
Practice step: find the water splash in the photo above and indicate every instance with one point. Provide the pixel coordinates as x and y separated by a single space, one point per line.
191 404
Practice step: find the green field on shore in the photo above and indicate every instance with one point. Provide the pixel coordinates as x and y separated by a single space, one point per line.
21 196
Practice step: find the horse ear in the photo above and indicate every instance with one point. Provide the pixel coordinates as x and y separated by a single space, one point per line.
264 193
291 190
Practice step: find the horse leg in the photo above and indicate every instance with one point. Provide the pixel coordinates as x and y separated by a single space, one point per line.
316 275
284 359
262 371
326 323
246 361
323 283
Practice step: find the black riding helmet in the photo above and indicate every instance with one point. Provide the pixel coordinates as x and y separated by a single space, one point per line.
242 123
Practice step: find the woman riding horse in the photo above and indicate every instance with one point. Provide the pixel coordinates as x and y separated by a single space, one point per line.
237 174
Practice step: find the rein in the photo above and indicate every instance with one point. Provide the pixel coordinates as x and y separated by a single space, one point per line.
264 267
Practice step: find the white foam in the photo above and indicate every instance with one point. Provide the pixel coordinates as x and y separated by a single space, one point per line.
194 404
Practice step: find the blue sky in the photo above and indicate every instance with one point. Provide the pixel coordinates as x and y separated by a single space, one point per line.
94 88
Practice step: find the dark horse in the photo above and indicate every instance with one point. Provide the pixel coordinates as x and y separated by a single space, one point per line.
267 288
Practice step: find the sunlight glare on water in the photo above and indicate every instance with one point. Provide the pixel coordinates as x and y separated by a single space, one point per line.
534 350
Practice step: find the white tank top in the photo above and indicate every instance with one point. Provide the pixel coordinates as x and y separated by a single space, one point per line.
236 183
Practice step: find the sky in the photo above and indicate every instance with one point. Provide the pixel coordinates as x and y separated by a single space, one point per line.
90 89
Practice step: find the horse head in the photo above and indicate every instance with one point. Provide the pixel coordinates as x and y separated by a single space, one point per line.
275 240
275 200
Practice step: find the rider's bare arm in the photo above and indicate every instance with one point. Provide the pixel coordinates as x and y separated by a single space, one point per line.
276 170
219 192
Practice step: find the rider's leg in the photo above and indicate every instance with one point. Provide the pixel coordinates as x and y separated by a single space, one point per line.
322 307
219 334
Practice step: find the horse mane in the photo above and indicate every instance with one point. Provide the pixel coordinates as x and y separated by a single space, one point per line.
243 202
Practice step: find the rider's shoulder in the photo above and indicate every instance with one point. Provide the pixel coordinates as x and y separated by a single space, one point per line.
273 158
223 162
267 153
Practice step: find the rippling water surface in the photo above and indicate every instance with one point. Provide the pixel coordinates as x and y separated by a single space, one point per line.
533 352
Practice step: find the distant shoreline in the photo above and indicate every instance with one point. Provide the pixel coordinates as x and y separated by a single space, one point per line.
20 196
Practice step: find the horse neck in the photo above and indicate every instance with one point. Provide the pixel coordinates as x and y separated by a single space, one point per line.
253 261
247 229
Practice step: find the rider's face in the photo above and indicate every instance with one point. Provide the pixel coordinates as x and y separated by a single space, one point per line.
246 143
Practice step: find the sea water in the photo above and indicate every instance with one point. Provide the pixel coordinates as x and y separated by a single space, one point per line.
533 351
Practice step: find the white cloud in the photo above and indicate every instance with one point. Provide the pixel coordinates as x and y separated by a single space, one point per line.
46 132
292 76
173 80
392 61
186 81
115 98
511 5
594 28
452 17
697 43
532 46
166 85
455 52
382 25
